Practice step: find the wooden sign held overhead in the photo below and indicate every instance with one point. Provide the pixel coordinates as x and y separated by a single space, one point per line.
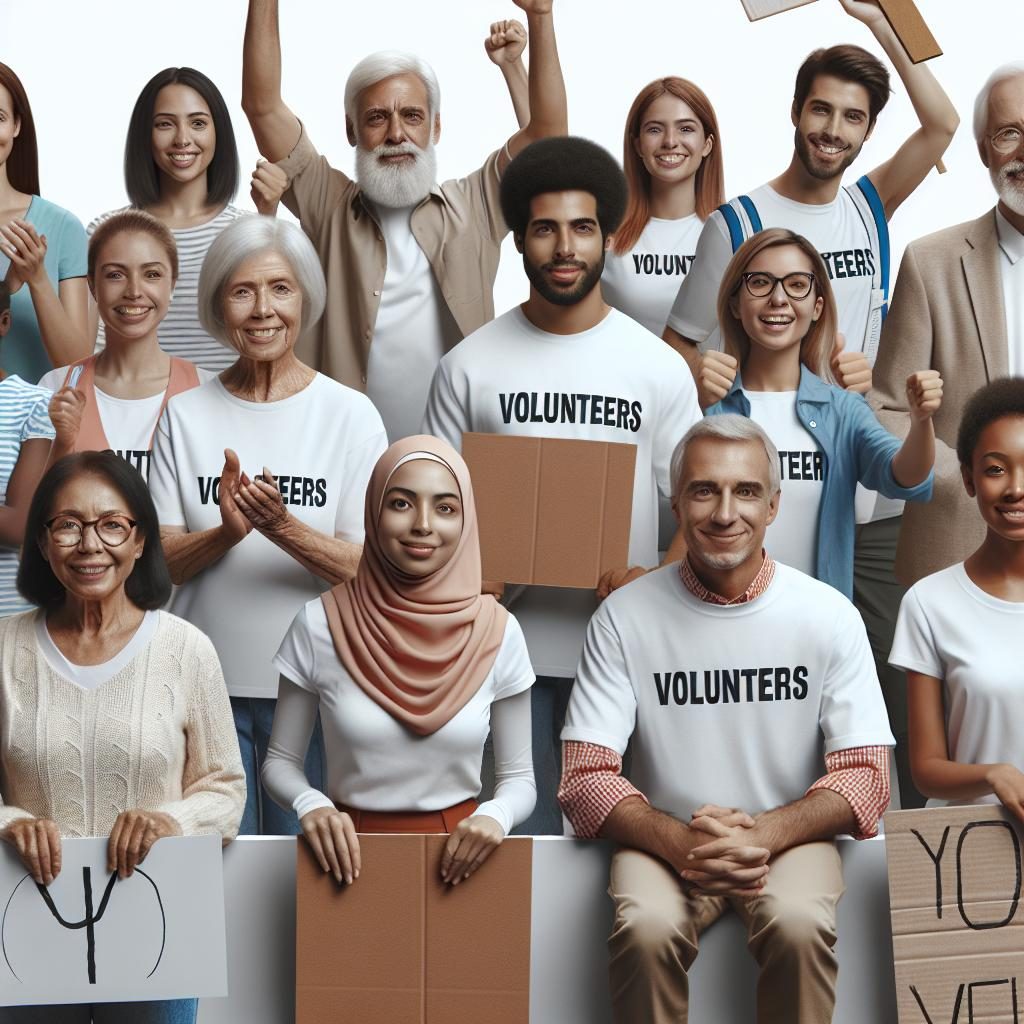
552 512
955 900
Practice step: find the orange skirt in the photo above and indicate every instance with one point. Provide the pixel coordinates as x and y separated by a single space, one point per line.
410 822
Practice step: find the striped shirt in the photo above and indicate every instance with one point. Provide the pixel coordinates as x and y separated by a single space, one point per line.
23 415
181 333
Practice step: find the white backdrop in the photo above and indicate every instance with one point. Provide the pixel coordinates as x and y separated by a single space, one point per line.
83 64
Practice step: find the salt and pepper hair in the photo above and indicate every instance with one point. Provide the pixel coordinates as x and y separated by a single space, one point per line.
1001 74
247 237
383 64
727 427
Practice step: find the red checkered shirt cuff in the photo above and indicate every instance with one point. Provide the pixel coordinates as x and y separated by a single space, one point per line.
861 776
592 784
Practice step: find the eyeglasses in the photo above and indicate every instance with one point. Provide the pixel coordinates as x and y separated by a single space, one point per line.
1006 140
112 529
760 284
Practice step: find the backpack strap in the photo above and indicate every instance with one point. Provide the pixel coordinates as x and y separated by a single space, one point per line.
866 189
751 210
741 218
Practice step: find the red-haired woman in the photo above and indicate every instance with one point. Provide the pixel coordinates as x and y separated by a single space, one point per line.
672 157
42 247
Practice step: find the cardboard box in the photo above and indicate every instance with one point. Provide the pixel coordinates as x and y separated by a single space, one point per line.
757 9
398 946
552 512
955 900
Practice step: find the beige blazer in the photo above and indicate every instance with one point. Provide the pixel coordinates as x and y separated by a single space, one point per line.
946 314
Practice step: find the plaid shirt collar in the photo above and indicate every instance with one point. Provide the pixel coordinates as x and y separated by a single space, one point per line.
758 585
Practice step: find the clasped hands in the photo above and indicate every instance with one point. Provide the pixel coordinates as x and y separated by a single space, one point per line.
731 863
246 504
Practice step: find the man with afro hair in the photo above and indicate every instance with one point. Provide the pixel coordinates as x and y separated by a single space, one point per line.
565 364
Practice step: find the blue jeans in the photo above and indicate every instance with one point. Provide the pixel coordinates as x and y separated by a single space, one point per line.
254 717
162 1011
549 700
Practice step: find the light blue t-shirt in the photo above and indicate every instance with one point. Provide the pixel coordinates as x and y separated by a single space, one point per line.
23 415
66 246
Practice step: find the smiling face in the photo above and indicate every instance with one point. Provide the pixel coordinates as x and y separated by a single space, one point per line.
420 520
995 477
183 136
832 127
776 321
91 570
563 251
1006 116
671 142
262 307
725 504
10 125
132 284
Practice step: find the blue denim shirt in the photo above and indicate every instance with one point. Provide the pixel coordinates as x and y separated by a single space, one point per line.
857 449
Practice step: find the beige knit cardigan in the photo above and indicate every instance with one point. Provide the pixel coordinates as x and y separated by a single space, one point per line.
158 735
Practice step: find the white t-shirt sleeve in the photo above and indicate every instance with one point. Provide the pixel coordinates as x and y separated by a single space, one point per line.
913 644
445 416
852 712
37 424
695 312
296 657
679 412
359 463
602 708
515 791
54 379
163 477
513 672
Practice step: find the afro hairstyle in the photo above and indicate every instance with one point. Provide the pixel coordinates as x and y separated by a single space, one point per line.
563 164
1003 397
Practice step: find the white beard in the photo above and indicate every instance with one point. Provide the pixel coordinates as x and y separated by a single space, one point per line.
396 185
1011 191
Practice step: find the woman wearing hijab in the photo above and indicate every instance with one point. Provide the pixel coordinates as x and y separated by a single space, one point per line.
409 666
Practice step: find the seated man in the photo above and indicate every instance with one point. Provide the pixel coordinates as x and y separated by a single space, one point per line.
726 669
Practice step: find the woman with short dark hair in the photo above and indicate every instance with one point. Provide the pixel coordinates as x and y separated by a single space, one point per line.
131 697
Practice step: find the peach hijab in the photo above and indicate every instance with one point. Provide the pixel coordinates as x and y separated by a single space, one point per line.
418 646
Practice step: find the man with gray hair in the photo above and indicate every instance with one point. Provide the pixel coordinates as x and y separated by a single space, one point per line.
410 264
724 671
957 307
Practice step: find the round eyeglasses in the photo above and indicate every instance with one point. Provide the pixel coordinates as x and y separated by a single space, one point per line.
112 529
761 284
1006 140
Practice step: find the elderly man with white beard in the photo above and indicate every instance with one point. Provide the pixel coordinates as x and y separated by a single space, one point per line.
410 264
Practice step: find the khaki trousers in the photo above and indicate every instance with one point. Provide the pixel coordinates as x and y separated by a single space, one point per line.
791 931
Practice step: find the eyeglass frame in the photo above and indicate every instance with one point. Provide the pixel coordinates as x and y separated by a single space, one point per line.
1006 128
747 274
85 524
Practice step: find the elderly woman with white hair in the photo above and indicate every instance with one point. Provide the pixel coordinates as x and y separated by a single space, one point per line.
259 475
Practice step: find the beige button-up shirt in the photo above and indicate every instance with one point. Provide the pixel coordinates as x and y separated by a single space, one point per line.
459 226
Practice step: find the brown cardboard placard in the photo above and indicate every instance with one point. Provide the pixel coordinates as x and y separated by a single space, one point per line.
400 946
957 920
911 29
552 512
757 9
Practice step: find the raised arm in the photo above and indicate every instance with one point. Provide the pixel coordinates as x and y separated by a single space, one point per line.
504 47
897 178
274 126
548 106
28 468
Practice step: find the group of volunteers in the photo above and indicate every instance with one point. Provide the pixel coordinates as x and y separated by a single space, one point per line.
259 425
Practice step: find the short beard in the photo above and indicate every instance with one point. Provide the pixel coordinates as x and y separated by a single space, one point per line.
564 296
811 166
396 185
1011 192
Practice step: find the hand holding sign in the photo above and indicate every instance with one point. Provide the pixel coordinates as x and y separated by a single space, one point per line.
37 841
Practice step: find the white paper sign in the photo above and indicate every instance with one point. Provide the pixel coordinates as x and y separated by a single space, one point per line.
766 8
89 937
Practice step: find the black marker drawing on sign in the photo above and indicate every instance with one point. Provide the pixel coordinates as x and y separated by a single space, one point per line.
88 922
936 857
960 875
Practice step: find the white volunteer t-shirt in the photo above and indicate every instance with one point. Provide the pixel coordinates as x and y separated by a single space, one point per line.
951 629
1011 274
321 444
734 705
373 761
412 331
835 229
128 422
614 382
643 283
793 538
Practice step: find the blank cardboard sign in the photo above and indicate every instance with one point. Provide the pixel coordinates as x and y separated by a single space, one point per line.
757 9
552 512
400 946
957 920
